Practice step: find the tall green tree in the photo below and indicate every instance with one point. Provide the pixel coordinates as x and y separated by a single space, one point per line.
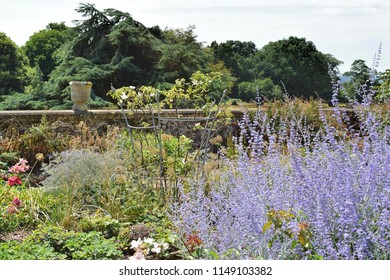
12 66
237 56
359 75
111 47
264 89
240 58
359 72
181 55
383 89
297 64
42 45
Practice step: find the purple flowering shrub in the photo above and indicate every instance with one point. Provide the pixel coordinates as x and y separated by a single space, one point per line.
293 193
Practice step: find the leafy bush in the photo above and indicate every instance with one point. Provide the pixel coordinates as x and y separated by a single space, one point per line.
41 138
14 250
106 225
76 245
9 158
20 101
264 88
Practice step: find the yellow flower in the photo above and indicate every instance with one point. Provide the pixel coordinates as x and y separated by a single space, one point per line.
39 157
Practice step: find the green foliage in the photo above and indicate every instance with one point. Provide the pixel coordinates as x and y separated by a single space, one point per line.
23 101
106 183
203 88
76 245
35 78
295 110
135 232
298 64
42 45
359 72
12 66
80 169
41 138
265 88
9 158
383 90
280 221
110 48
14 250
177 159
181 55
21 207
360 75
133 98
237 56
106 225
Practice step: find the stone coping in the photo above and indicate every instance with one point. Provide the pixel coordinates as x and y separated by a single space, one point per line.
26 118
105 114
110 116
112 112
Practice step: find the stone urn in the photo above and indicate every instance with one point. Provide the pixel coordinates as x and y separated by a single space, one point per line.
80 93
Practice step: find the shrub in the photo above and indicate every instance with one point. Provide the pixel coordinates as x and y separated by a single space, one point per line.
264 88
14 250
41 138
93 182
76 245
297 194
80 169
8 158
106 225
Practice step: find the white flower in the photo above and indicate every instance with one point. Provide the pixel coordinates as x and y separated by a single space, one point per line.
156 248
136 243
165 246
132 87
124 96
149 241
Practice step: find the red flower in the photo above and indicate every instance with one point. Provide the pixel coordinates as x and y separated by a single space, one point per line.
16 202
14 180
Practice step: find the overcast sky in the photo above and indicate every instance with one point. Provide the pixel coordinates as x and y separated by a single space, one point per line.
347 29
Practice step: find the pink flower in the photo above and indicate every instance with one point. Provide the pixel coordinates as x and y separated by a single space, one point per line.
16 202
15 169
14 180
23 161
12 209
20 167
138 255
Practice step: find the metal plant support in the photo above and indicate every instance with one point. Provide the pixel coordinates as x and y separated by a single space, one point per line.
158 121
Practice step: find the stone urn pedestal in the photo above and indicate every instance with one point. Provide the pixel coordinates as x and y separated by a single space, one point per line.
80 93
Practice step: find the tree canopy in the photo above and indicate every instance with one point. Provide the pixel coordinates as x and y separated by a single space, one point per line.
296 62
42 45
12 66
110 47
113 48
